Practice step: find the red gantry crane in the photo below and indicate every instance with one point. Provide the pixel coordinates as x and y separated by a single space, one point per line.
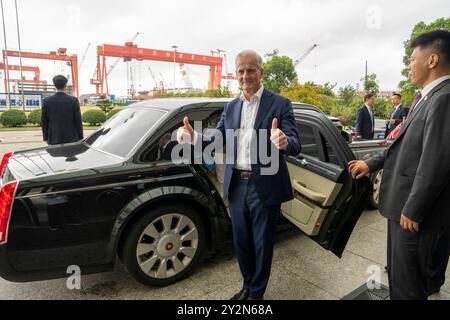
131 51
35 70
60 55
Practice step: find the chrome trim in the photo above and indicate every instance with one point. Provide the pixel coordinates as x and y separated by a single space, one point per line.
110 185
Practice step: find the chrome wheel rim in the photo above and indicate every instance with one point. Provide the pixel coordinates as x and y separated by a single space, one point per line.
167 246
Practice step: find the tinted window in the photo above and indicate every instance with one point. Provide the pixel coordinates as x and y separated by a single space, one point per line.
121 133
330 154
308 140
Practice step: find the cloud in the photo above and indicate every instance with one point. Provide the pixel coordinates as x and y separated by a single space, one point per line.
348 32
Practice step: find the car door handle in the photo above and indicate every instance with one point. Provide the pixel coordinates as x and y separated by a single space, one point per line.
310 194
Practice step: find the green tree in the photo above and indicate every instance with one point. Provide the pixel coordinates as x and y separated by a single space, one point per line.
104 104
406 88
371 84
308 93
279 72
347 94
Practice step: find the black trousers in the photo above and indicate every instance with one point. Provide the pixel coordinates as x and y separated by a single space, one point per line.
413 259
439 261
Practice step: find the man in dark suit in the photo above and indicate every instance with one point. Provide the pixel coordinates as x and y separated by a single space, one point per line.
415 190
61 116
365 122
398 113
255 194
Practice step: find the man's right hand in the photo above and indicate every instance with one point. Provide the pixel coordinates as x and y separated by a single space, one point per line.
185 134
358 169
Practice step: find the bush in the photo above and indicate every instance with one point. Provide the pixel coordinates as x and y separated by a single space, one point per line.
113 112
13 118
35 117
94 117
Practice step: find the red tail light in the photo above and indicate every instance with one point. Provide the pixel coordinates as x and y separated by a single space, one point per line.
4 161
6 199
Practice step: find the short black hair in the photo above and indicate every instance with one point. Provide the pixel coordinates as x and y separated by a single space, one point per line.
60 82
397 94
368 96
438 39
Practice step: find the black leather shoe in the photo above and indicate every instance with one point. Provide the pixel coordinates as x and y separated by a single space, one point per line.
241 295
256 298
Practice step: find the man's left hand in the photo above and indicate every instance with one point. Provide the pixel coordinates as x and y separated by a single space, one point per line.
278 137
408 225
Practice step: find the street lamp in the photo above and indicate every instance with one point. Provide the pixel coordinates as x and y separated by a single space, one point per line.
174 47
8 92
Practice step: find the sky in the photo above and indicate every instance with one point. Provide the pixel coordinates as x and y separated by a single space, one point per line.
348 34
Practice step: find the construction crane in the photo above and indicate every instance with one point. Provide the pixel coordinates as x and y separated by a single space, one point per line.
111 68
163 81
153 76
186 78
298 60
131 51
59 55
83 58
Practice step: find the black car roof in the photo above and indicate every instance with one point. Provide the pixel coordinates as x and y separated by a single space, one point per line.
176 104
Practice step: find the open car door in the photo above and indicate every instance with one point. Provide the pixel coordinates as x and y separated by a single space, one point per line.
327 201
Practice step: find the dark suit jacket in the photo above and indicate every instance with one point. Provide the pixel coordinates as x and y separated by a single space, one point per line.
416 178
364 123
61 119
398 116
272 189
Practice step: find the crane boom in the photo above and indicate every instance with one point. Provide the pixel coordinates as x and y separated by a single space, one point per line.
116 62
153 76
84 56
298 60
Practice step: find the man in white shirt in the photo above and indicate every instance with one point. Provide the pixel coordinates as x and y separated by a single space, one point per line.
415 190
255 194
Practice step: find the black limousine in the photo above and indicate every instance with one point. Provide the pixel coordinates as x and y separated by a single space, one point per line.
115 194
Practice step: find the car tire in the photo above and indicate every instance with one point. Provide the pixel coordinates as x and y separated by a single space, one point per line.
376 180
164 245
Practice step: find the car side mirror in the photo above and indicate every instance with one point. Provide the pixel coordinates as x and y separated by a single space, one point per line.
347 137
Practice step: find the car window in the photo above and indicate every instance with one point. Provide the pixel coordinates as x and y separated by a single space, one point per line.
161 150
308 140
330 153
120 134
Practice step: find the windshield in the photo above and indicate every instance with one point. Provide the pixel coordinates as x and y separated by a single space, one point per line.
120 134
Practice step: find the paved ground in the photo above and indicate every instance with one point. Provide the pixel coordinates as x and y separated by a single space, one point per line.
301 268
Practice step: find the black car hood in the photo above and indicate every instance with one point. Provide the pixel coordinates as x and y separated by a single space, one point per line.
61 159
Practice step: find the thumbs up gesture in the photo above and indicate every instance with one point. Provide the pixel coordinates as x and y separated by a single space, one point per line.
278 137
185 134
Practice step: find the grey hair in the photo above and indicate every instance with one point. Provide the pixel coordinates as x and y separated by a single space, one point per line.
250 53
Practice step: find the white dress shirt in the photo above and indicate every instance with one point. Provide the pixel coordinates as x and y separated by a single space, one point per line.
429 87
248 116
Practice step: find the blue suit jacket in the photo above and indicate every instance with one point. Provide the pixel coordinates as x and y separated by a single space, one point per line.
364 123
272 189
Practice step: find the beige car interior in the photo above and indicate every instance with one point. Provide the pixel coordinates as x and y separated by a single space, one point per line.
313 196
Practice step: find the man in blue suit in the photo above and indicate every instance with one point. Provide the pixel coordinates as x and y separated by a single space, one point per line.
254 191
365 122
398 114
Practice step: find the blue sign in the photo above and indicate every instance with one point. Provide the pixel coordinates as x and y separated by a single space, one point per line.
31 101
